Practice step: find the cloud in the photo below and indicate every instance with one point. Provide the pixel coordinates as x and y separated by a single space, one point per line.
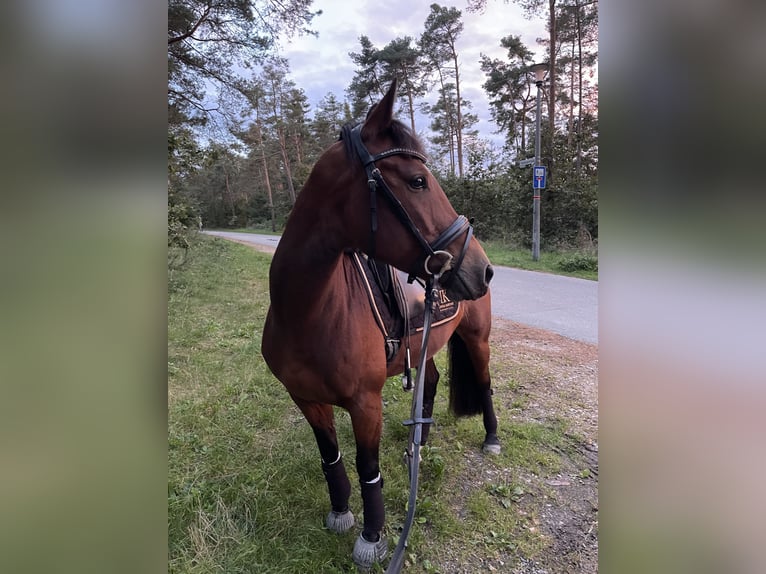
321 65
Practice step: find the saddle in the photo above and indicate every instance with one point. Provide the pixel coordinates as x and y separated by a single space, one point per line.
398 306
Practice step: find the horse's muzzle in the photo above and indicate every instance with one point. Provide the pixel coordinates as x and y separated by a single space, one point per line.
468 283
489 273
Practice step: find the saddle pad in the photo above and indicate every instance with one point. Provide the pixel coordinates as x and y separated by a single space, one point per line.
396 303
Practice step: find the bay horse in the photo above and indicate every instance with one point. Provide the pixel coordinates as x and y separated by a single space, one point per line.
320 339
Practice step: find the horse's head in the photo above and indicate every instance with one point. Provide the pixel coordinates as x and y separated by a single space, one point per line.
410 223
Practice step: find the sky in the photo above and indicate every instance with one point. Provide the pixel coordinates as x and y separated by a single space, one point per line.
321 65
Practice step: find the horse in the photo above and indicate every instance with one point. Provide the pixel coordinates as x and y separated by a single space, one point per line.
320 339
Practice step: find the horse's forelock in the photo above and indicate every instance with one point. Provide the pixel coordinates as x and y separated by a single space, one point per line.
401 134
404 137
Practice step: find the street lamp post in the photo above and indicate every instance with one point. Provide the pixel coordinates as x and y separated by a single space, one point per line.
539 70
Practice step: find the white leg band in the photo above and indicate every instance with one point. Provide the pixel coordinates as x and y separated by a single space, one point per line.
332 463
374 480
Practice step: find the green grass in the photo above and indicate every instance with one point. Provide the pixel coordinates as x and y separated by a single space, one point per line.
245 489
572 263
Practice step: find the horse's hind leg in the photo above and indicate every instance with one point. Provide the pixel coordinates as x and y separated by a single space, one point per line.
322 420
491 442
470 382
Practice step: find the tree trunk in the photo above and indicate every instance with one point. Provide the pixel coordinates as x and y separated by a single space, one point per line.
288 170
523 133
524 109
578 134
266 179
229 194
298 148
412 110
552 88
459 126
570 120
448 112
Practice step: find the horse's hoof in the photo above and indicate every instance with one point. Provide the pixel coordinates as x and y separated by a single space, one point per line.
339 522
491 445
368 553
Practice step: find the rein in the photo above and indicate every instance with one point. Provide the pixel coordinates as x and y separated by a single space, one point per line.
434 250
416 430
376 182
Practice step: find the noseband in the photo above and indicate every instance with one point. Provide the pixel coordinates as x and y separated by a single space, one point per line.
376 182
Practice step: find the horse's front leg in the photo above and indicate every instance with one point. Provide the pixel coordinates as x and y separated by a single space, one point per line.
367 421
322 420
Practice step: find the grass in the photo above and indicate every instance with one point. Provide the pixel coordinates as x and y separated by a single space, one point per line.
572 263
245 489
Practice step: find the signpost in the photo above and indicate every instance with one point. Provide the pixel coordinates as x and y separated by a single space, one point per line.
538 183
538 171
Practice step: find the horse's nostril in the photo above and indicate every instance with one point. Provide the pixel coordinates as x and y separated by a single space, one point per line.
488 274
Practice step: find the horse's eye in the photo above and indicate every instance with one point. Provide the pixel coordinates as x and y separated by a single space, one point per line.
418 182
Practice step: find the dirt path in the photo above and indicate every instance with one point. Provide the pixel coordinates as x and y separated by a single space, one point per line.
548 379
556 380
257 247
559 375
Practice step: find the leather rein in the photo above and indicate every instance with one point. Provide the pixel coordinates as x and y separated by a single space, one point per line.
376 182
461 225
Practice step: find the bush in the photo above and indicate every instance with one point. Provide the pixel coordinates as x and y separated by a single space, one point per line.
578 262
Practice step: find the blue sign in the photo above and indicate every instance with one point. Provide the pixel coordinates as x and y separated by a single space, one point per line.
538 177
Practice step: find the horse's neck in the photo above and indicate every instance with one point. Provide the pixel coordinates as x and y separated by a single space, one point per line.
305 267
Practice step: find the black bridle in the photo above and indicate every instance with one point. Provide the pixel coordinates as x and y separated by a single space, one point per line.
376 182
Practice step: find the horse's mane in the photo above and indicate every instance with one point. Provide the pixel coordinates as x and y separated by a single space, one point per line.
402 136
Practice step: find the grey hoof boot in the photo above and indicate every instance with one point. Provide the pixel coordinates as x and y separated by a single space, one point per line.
491 445
339 522
368 553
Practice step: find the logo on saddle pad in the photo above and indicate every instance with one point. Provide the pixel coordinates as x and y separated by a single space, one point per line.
444 310
444 302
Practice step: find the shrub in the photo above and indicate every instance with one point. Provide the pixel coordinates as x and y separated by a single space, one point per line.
578 262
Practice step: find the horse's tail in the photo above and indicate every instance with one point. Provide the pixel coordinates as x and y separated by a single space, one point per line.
465 394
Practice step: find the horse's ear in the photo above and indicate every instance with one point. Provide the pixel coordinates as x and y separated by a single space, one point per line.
381 114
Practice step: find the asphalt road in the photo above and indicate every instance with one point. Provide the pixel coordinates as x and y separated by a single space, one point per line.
564 305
